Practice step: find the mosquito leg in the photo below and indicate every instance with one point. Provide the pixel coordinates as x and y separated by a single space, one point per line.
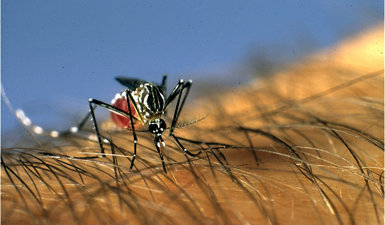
186 86
77 128
183 148
81 124
179 105
110 108
174 92
129 98
163 88
181 86
164 84
91 102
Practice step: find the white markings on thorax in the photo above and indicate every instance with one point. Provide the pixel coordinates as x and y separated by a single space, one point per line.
149 101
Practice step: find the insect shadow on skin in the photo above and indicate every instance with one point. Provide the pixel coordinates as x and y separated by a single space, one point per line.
142 103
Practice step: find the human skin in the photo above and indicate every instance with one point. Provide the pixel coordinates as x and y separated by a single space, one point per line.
304 146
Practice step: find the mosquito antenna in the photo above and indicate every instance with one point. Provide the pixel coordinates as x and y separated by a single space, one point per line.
189 123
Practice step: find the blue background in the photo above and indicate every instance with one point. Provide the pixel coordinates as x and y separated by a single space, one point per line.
57 54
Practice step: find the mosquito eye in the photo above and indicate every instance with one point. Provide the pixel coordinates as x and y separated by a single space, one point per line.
153 128
162 125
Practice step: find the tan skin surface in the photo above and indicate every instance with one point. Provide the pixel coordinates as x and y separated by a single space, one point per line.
302 147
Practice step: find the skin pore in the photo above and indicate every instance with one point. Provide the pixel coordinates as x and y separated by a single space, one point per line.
302 147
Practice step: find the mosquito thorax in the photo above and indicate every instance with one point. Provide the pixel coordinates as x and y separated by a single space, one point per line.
157 126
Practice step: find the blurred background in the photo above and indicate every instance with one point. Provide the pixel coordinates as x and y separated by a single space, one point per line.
57 54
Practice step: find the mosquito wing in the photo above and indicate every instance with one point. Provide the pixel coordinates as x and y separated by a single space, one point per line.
131 83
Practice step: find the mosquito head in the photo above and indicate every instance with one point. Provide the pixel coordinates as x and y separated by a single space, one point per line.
157 126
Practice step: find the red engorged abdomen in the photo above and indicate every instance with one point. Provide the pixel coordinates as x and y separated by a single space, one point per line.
119 120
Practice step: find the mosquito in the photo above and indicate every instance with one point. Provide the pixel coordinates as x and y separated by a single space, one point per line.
145 103
140 102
